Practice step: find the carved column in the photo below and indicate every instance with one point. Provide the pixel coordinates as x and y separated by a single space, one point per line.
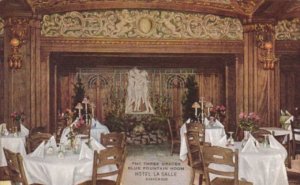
260 87
21 91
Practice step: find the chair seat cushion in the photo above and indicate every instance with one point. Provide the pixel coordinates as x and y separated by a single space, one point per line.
226 181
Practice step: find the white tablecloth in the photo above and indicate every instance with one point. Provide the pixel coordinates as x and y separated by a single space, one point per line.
280 131
266 167
212 135
51 170
263 168
13 143
96 130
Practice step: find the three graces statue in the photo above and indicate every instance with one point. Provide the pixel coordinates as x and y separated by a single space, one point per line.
137 101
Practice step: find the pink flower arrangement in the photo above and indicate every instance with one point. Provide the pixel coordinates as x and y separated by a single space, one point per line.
80 123
18 116
218 111
248 121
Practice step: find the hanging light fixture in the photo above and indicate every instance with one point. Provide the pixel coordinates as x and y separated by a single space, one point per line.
265 40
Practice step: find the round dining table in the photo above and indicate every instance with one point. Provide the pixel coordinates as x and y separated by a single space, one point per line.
13 142
213 134
262 167
54 170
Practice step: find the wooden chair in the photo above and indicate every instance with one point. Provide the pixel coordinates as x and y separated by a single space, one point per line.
34 140
285 141
295 125
15 167
194 154
108 156
259 134
198 128
41 129
113 139
224 156
174 137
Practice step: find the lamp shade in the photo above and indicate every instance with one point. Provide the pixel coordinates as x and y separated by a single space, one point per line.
78 106
208 105
196 105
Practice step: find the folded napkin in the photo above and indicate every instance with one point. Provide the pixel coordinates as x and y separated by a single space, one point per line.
250 145
282 113
2 126
290 119
85 152
39 151
51 143
24 130
63 137
95 145
288 113
276 145
97 124
188 120
217 123
222 142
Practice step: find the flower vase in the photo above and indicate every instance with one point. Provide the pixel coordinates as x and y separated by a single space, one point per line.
246 137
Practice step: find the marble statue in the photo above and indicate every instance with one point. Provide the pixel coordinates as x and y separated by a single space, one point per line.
137 101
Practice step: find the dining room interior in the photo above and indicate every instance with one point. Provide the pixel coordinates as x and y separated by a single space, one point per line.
145 92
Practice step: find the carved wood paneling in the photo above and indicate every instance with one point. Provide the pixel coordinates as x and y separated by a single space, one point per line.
211 85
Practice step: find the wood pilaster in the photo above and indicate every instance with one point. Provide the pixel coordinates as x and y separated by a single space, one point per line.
260 87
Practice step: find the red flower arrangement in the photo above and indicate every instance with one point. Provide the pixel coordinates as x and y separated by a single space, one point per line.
18 116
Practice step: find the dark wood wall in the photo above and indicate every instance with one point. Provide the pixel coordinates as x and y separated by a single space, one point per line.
290 82
210 72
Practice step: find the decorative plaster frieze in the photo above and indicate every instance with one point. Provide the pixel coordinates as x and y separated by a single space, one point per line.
1 26
142 24
288 30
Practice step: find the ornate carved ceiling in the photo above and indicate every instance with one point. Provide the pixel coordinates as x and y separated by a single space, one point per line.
235 8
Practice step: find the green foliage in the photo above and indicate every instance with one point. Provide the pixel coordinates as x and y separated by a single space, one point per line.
117 120
79 93
191 96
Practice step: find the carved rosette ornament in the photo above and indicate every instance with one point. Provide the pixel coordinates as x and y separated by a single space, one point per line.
148 24
18 28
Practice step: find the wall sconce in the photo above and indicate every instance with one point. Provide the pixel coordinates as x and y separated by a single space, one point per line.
265 37
18 29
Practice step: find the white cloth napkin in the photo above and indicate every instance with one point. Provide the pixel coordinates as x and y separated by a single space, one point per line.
276 145
85 152
2 126
95 145
24 130
222 142
96 124
288 113
188 120
39 151
290 119
282 113
51 142
250 145
216 124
